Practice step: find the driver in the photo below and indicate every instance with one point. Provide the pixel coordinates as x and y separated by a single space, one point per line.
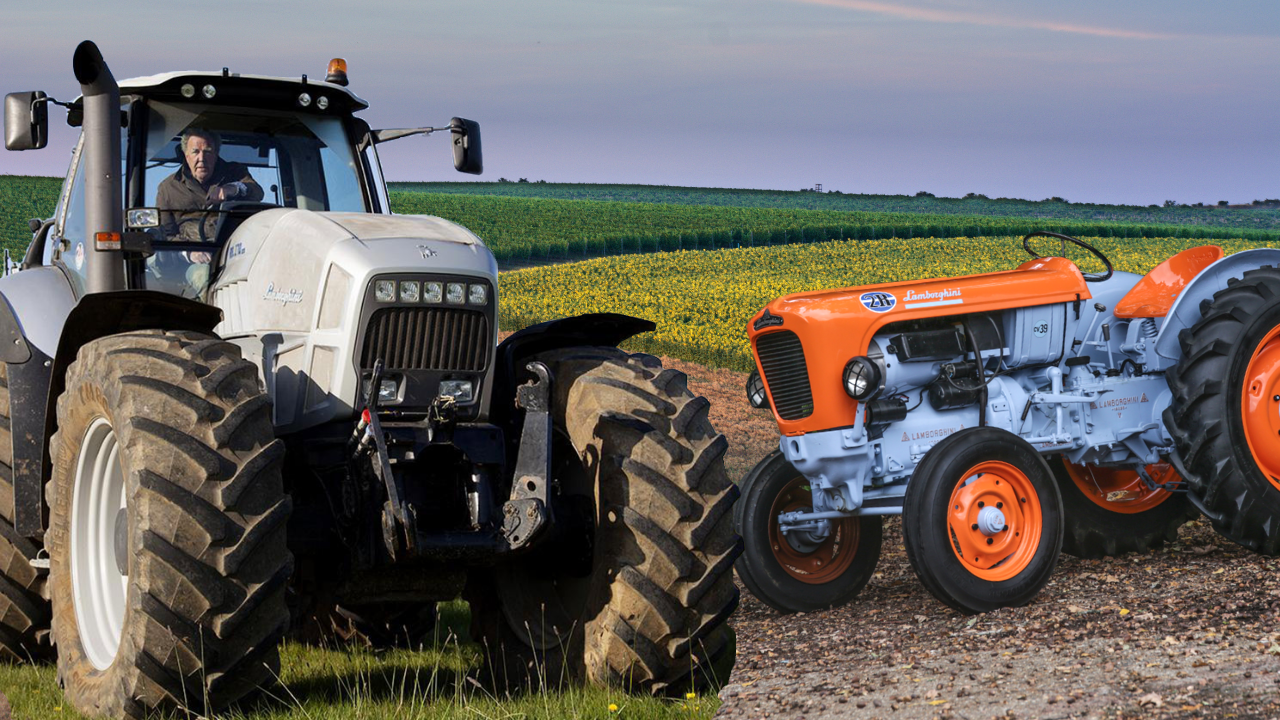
202 183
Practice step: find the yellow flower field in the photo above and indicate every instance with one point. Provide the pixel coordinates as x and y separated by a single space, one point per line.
701 300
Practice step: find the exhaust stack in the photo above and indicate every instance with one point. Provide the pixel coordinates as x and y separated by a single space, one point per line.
104 201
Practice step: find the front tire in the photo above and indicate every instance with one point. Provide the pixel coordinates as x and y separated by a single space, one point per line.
1111 512
1225 415
639 483
168 561
982 521
791 575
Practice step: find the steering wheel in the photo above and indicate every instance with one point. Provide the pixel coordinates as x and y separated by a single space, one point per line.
1088 277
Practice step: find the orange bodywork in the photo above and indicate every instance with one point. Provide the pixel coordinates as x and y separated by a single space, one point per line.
835 325
1154 294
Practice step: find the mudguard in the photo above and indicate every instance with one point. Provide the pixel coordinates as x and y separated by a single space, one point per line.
1185 311
36 384
591 329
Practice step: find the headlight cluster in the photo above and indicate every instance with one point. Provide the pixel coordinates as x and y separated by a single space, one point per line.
861 378
431 292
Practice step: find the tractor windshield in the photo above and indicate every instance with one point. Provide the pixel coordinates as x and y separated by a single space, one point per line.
303 161
204 162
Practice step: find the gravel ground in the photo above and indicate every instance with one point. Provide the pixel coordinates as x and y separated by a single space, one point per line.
1189 631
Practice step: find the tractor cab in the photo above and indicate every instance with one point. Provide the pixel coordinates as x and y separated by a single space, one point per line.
290 143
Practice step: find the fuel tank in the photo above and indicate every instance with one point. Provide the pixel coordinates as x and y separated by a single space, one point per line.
802 342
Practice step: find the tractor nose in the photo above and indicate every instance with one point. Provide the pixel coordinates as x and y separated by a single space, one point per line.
990 521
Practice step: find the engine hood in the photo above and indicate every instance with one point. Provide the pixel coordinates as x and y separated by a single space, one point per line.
836 325
293 287
282 258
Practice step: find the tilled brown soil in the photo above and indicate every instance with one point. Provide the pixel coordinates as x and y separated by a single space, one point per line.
1188 631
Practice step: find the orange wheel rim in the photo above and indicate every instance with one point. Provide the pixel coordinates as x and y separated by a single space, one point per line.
1260 406
1122 491
812 563
986 547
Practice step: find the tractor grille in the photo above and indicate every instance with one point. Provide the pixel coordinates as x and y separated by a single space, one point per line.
782 359
421 338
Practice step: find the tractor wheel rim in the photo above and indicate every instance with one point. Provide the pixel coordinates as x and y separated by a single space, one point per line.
1260 406
99 582
828 559
986 491
1122 491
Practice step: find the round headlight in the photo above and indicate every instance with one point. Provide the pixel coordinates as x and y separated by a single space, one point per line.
756 394
861 378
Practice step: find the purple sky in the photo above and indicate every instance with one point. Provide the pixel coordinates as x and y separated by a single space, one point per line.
1140 102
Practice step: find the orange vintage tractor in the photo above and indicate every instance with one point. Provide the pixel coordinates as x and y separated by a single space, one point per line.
1008 416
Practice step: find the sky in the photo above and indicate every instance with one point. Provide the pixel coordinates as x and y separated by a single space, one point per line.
1094 101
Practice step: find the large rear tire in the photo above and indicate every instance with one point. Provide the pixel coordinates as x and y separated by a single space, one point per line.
24 606
168 561
793 574
1225 414
982 521
641 468
1112 512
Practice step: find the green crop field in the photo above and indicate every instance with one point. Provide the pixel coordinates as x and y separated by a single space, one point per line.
23 198
521 229
1255 217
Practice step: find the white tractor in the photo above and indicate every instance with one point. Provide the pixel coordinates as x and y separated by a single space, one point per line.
297 403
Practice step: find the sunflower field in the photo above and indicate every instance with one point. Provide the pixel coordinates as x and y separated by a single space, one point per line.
701 301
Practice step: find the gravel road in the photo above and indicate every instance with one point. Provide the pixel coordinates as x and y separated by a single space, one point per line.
1189 631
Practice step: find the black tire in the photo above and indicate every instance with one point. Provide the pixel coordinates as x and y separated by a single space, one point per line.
1093 531
934 544
383 626
642 469
24 606
1206 419
774 575
204 532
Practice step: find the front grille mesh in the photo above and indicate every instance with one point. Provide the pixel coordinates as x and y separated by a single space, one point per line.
782 359
427 338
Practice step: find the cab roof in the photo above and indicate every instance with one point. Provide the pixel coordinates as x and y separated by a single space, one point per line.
254 91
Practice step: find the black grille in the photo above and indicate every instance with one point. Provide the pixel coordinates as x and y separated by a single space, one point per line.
427 338
782 359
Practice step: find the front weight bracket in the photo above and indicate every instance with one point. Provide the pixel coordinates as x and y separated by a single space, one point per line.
528 511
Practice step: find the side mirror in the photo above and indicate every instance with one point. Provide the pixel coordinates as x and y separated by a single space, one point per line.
26 121
466 146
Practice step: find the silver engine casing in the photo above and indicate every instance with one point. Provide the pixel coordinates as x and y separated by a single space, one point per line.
291 290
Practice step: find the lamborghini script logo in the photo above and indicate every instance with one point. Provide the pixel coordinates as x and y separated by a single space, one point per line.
284 297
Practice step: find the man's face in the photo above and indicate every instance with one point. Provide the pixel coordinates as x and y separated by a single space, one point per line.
201 157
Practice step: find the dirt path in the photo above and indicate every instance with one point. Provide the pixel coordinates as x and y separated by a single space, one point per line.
1190 631
1186 632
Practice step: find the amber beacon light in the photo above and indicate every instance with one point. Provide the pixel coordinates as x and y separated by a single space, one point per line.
337 72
